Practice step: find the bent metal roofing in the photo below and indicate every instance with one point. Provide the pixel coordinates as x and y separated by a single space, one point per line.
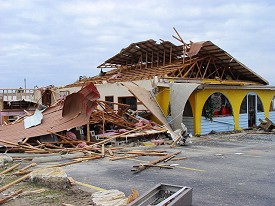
53 120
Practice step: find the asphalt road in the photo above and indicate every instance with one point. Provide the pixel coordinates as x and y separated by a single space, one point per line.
222 170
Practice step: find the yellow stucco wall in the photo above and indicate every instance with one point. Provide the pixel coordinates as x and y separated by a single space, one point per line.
199 97
163 98
235 98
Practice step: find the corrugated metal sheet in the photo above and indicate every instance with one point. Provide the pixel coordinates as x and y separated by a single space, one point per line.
52 119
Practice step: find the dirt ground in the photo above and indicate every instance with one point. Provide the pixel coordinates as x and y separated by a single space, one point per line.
46 196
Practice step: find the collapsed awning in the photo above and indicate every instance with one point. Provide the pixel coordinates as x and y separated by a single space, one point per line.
179 94
149 101
53 121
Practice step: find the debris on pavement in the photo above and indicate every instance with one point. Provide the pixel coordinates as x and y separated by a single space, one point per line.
77 129
109 198
267 124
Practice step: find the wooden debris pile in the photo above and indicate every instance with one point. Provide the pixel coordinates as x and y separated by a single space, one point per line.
106 121
91 151
167 157
267 124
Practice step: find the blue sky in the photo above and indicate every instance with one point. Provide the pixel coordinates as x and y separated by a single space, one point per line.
52 42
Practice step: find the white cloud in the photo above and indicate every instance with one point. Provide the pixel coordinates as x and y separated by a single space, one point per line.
54 42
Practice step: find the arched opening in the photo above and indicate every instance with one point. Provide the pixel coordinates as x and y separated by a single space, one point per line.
251 111
272 110
217 114
272 105
187 117
216 105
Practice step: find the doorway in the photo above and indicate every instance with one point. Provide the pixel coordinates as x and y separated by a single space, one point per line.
252 110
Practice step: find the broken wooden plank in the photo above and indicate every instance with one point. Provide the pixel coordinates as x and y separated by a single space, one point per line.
160 166
117 136
22 159
123 157
143 167
176 141
161 151
75 161
144 153
110 152
103 150
30 192
88 158
169 158
179 158
13 183
23 170
64 138
10 169
16 193
20 145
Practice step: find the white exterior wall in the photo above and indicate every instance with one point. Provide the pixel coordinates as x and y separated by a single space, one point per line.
116 90
219 124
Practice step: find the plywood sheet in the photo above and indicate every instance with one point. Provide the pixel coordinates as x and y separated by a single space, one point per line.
149 101
179 94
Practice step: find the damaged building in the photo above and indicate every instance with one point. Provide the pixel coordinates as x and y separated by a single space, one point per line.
197 84
162 86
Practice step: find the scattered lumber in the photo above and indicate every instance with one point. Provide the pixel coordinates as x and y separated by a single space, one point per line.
123 157
143 167
179 158
169 158
23 170
134 195
22 159
144 153
64 138
267 124
117 136
160 166
10 169
176 141
110 152
103 150
30 192
13 183
21 145
88 158
75 161
16 193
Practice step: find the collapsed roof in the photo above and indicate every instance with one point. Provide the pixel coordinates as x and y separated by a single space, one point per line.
75 111
195 61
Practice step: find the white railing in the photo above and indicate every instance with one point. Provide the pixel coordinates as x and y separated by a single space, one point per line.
17 95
